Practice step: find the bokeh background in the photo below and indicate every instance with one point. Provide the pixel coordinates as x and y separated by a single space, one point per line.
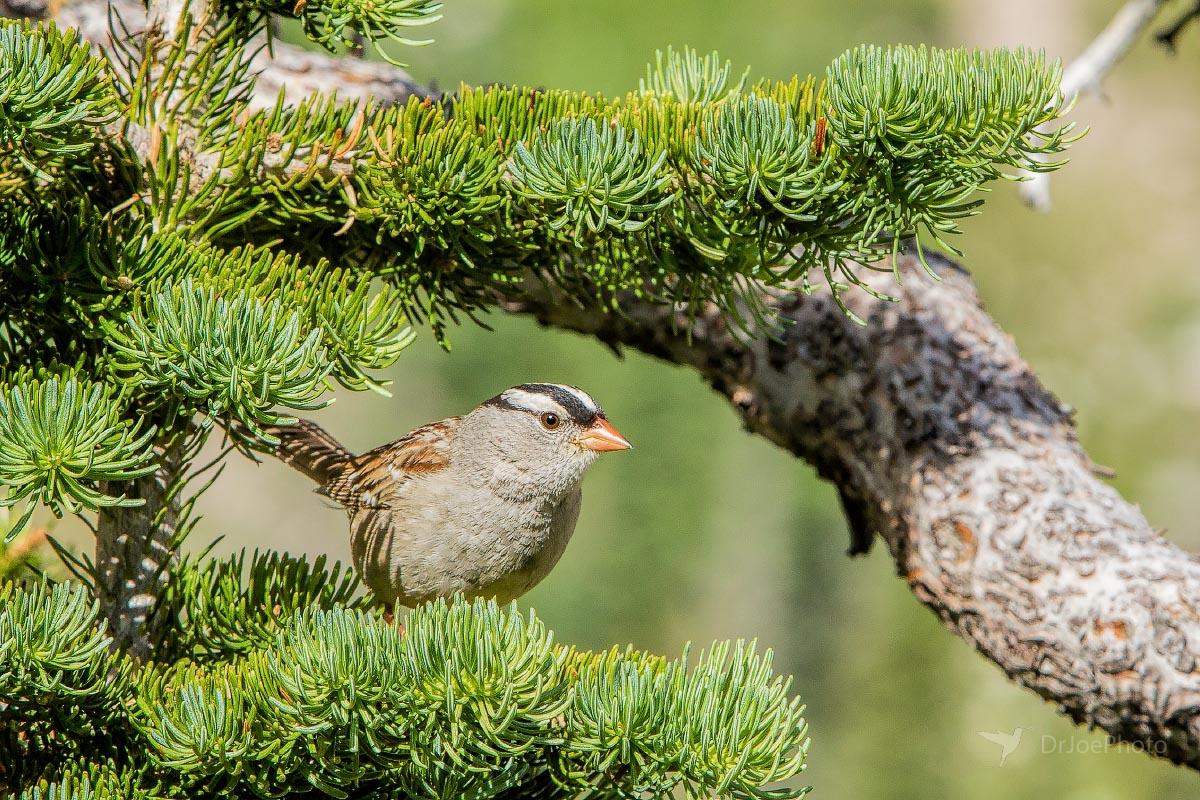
704 532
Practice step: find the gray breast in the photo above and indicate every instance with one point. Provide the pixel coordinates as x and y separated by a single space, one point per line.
430 544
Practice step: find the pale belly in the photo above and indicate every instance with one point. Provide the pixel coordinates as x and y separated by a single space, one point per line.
438 550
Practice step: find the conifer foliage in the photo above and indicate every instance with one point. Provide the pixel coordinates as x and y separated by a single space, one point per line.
173 262
277 681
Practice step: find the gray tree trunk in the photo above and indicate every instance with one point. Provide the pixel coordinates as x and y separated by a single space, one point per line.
136 552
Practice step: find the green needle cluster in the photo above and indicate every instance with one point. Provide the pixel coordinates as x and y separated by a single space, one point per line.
284 684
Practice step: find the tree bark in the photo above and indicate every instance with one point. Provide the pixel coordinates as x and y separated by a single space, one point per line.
136 550
942 441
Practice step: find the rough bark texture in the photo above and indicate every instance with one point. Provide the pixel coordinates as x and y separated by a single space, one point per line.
942 441
135 551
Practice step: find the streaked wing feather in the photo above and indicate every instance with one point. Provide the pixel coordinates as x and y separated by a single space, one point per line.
372 479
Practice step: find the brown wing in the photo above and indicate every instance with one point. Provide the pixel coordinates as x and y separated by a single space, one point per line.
371 479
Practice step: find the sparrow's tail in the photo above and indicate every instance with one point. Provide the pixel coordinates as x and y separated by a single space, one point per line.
308 448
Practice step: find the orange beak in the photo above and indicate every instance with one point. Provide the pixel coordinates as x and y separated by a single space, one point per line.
602 437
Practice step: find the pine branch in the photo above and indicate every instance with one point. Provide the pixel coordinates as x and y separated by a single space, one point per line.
61 689
426 193
221 609
471 699
56 97
87 778
228 359
284 67
345 24
59 438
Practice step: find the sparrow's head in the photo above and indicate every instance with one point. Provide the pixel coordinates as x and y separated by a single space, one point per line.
549 426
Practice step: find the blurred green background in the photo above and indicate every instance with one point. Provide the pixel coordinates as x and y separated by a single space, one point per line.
704 532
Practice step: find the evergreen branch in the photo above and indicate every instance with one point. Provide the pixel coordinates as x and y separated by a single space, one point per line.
86 778
62 691
281 67
225 608
620 716
53 654
345 23
754 151
427 185
360 328
201 80
362 332
54 97
277 172
906 102
471 699
595 174
59 437
688 77
485 683
894 144
734 726
770 183
234 358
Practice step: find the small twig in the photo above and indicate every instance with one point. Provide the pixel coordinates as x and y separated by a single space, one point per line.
1085 75
1169 36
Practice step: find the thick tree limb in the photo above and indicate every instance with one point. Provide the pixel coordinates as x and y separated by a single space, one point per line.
942 441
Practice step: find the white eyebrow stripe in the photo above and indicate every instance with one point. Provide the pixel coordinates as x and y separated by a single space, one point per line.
532 401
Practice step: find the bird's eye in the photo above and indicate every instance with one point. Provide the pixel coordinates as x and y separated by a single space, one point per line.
550 421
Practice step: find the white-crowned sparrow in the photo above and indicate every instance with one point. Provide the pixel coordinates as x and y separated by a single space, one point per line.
482 504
